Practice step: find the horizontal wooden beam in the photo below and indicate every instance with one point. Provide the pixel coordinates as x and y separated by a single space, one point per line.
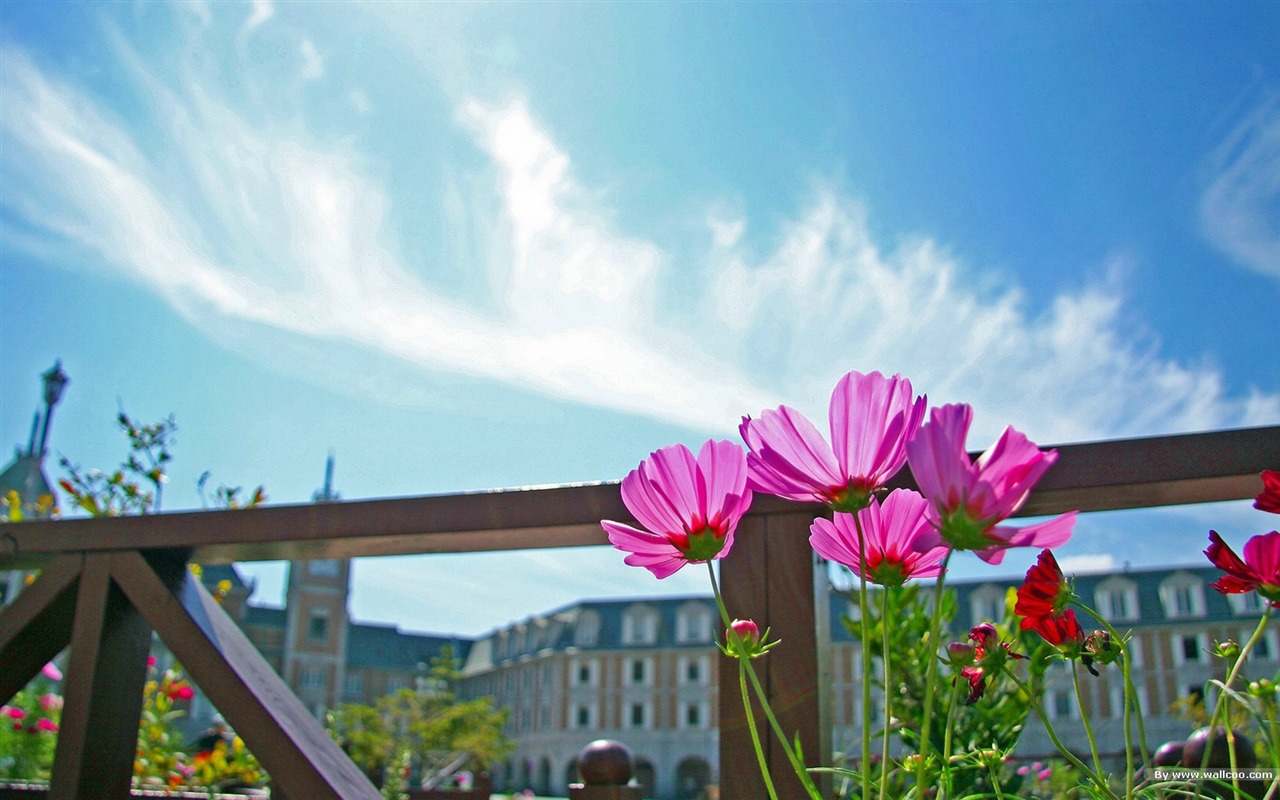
1096 476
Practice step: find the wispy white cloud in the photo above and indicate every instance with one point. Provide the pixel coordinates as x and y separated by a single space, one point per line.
312 63
1240 209
257 223
260 11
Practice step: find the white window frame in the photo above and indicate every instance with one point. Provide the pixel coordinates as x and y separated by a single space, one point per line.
1178 645
1123 590
1170 590
639 625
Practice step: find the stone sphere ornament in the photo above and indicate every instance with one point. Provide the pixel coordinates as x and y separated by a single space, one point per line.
605 762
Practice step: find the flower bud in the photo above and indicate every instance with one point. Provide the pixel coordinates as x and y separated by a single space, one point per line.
1228 649
746 630
1263 688
960 654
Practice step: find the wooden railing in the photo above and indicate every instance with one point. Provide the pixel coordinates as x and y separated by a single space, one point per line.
106 584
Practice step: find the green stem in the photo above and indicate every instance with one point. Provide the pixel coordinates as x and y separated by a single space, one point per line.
863 614
745 664
755 734
1219 706
801 772
1130 703
1084 718
931 674
956 688
1053 736
995 781
884 647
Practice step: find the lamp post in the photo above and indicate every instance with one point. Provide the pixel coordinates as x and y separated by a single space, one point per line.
55 381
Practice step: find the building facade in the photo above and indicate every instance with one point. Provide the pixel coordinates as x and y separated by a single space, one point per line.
644 671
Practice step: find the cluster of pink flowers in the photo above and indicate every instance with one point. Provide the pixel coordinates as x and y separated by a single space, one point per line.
690 506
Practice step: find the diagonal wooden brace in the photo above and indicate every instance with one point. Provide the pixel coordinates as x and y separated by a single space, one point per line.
36 626
292 746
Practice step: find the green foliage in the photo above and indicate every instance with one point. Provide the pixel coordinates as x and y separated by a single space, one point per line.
425 728
991 725
135 486
29 732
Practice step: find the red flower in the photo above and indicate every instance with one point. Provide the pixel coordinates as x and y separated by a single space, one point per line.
1062 631
1259 571
1269 500
1044 593
987 656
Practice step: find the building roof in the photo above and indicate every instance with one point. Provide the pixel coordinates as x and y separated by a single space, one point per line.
388 647
26 477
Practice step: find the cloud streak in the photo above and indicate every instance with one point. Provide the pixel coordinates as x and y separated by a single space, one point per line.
259 224
1238 210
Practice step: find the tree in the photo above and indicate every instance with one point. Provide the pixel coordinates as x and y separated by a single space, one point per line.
427 729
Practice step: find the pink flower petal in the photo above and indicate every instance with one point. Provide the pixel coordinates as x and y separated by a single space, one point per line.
871 419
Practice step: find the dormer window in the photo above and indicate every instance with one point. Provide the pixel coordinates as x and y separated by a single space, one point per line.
1182 596
693 623
639 625
986 604
586 631
1117 599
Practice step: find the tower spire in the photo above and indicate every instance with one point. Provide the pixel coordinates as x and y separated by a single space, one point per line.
327 494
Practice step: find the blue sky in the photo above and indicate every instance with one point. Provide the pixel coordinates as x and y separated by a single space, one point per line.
466 246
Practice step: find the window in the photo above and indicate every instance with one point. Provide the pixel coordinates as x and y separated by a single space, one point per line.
584 673
1117 599
638 715
324 567
318 627
312 678
1060 704
1247 603
1182 595
639 625
639 672
353 686
584 717
986 604
1190 652
1189 648
693 623
693 670
1195 691
1264 648
586 631
693 715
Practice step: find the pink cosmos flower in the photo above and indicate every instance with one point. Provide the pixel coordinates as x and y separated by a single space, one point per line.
50 701
51 671
689 506
1258 572
900 543
14 713
871 417
969 500
47 725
